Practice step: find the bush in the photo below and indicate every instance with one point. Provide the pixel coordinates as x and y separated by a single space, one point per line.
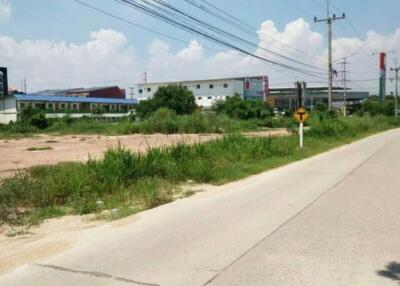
238 108
39 120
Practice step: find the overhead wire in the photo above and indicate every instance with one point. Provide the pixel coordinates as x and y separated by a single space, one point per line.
138 25
223 32
194 30
240 24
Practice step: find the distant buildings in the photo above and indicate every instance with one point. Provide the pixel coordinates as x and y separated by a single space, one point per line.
57 106
110 101
207 92
285 98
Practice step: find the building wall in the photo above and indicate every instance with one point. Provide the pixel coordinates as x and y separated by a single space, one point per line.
107 92
205 92
112 92
8 110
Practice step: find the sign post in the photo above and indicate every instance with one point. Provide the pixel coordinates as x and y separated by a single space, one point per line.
301 131
301 116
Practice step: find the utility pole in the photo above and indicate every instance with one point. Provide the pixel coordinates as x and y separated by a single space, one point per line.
330 20
25 85
344 64
396 70
345 86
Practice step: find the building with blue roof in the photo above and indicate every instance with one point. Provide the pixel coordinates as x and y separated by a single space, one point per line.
57 106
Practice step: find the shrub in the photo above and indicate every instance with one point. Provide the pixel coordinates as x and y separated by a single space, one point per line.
39 120
238 108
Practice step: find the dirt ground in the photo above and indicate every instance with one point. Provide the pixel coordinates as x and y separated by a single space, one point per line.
21 246
15 154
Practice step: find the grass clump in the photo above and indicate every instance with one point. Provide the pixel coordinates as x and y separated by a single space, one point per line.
132 182
39 148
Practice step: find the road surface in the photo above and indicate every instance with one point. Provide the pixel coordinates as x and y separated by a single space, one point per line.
329 220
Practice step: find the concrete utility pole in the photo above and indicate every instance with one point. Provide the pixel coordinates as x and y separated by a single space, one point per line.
396 70
329 20
344 64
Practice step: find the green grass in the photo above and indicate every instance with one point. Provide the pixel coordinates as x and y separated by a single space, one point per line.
163 121
39 148
133 182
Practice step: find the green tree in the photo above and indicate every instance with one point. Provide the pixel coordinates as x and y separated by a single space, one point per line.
173 97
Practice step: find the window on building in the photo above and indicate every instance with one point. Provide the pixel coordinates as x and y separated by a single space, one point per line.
62 105
140 91
209 97
22 105
199 98
74 106
198 86
149 89
211 86
225 85
50 105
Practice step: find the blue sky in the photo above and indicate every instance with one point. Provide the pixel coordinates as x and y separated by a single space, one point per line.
59 28
66 20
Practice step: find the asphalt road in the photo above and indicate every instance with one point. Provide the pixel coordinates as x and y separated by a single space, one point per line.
328 220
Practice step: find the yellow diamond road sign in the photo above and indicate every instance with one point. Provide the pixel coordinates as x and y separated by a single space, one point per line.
301 115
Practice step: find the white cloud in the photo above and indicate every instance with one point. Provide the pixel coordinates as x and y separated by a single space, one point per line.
5 10
107 57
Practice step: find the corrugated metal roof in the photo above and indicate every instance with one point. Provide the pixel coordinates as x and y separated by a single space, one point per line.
191 81
57 98
91 89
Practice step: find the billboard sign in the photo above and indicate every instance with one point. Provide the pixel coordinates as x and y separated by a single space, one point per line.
256 87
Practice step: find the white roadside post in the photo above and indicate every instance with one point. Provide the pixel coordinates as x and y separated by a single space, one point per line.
301 131
301 116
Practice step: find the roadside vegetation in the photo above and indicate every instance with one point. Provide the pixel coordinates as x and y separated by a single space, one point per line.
123 183
171 110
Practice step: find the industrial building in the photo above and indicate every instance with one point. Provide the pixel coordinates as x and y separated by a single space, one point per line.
95 92
57 106
208 91
286 98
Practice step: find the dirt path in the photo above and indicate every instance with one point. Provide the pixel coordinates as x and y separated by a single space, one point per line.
15 154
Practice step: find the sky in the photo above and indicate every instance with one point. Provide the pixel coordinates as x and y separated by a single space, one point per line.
63 44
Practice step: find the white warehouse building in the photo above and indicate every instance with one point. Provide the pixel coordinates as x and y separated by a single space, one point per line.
207 92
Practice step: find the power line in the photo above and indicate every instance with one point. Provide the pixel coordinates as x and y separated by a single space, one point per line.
138 25
240 24
194 30
223 32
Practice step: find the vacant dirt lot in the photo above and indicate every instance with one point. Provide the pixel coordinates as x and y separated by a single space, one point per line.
46 149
